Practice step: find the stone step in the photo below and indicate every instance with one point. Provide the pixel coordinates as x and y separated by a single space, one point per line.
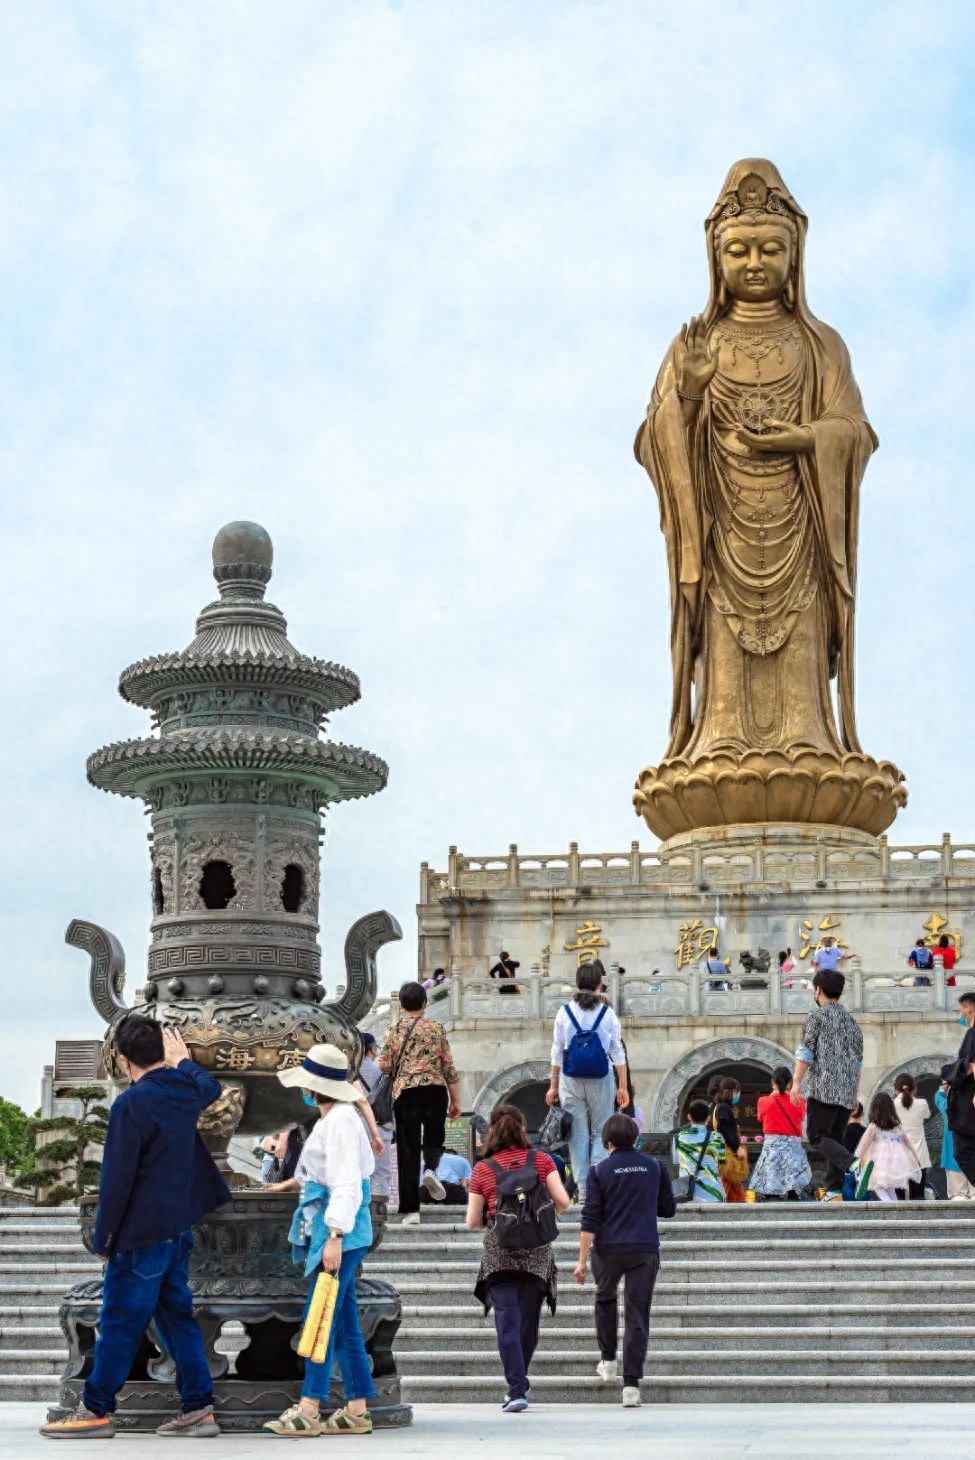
28 1388
71 1269
575 1363
22 1336
757 1212
40 1214
556 1338
888 1293
674 1249
576 1310
840 1269
917 1216
36 1362
19 1292
766 1388
29 1316
40 1243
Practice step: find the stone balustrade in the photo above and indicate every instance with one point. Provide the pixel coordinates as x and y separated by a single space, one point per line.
471 996
699 866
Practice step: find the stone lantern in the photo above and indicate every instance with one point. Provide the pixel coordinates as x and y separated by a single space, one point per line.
236 780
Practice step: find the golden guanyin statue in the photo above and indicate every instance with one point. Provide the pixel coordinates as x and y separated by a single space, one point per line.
756 441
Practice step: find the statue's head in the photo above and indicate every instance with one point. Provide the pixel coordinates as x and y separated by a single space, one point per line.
756 230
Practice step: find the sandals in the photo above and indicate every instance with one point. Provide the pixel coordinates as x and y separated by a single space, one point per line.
344 1423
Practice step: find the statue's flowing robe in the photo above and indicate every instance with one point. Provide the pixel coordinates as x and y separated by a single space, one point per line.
681 465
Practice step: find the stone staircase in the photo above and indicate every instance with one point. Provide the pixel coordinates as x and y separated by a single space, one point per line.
771 1303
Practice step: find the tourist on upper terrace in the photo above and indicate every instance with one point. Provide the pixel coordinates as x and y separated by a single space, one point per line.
588 1069
724 1120
961 1093
829 1057
948 954
921 959
912 1113
782 1170
332 1230
888 1158
505 969
698 1152
958 1185
715 973
157 1180
828 956
513 1283
626 1194
416 1055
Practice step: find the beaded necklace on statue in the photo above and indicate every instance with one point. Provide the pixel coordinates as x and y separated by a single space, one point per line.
757 341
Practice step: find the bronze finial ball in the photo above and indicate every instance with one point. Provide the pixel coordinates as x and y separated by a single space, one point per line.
242 550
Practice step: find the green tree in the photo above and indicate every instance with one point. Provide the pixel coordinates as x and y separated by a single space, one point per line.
16 1144
64 1157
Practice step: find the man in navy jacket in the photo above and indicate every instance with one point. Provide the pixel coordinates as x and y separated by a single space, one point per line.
157 1180
625 1194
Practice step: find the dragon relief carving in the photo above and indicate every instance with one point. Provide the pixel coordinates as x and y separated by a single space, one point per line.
217 844
163 864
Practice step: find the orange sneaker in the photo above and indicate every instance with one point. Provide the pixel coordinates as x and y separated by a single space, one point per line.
80 1424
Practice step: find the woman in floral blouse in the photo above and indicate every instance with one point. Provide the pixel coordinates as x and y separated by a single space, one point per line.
416 1054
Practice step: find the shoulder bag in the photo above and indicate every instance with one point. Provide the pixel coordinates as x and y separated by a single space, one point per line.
734 1164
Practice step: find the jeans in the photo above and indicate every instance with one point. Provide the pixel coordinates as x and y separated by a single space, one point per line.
590 1103
345 1342
139 1286
517 1311
421 1115
825 1125
639 1273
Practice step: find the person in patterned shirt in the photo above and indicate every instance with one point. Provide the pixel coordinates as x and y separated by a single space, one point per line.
416 1054
829 1057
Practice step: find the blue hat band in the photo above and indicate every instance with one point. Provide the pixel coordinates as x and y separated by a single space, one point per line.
324 1072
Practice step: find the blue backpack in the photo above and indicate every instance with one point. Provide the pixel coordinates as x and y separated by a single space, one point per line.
585 1058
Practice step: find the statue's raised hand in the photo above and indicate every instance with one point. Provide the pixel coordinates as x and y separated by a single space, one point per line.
695 363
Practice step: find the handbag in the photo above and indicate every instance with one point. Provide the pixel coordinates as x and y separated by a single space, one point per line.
555 1128
733 1165
380 1096
684 1185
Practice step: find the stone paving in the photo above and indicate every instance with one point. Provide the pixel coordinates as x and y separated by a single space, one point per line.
551 1432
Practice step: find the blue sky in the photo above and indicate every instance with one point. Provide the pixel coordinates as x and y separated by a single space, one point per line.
394 280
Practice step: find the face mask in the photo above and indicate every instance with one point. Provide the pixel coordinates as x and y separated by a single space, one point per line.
963 1021
735 1099
310 1100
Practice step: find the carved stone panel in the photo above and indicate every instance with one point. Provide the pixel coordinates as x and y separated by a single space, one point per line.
285 849
211 841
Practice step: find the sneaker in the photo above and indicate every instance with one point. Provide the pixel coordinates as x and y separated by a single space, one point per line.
434 1186
195 1424
514 1405
412 1219
344 1423
507 1397
863 1184
832 1196
294 1422
608 1371
80 1424
631 1397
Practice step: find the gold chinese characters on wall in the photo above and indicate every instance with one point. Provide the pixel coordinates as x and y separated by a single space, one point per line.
588 941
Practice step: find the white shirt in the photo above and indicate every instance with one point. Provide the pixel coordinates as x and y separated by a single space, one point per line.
912 1121
337 1154
609 1033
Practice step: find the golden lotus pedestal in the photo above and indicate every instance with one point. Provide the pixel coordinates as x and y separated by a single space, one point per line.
804 787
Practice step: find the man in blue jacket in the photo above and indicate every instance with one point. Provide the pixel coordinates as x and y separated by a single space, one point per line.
625 1194
157 1180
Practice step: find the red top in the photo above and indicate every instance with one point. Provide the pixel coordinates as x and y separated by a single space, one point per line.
779 1116
484 1182
949 955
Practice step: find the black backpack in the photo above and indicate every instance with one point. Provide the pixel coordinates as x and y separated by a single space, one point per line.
524 1213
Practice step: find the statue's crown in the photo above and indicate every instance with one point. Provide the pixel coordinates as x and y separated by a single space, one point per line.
753 201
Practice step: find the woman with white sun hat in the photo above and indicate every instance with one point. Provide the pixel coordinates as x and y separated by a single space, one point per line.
332 1229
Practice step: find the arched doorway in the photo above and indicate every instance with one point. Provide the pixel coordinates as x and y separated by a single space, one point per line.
754 1081
530 1100
748 1059
523 1085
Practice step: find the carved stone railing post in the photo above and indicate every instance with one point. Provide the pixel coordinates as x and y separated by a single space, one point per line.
856 981
697 865
820 862
457 996
572 872
513 878
946 854
636 865
775 990
884 855
453 869
535 995
694 990
613 988
424 882
940 986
